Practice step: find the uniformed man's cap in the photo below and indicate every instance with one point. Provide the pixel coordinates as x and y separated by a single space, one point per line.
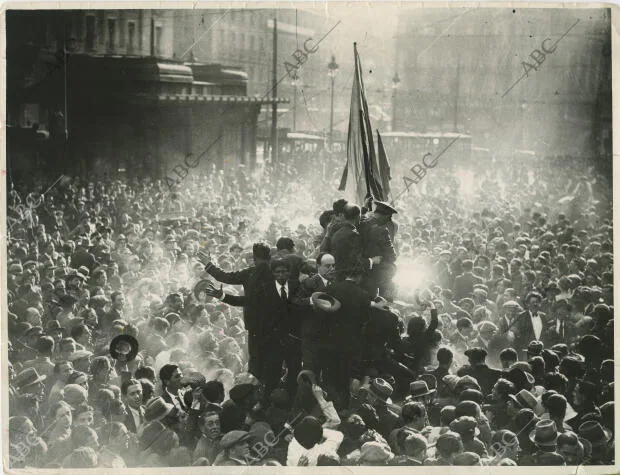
384 208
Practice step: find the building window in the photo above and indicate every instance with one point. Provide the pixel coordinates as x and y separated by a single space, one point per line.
158 38
90 33
131 37
111 34
122 29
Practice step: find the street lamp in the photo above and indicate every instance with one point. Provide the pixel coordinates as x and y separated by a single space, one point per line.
395 85
332 70
295 82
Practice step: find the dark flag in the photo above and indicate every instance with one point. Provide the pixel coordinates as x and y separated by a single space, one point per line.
384 170
361 172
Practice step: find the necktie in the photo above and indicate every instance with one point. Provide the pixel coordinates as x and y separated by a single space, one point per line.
283 294
562 329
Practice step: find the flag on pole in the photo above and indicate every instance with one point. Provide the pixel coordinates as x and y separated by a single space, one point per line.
384 170
361 172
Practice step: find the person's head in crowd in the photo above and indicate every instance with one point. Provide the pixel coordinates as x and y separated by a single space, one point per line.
445 357
145 372
507 357
131 391
502 389
505 444
158 439
60 414
326 266
261 253
84 436
81 457
235 444
115 437
117 301
100 369
585 394
209 422
83 415
448 446
414 415
571 448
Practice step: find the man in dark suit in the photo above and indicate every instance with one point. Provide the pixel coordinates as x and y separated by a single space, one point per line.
170 376
345 244
560 329
312 320
530 324
276 327
464 283
286 250
252 279
478 369
342 338
131 391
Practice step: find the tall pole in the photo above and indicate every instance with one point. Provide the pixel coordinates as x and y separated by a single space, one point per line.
295 105
456 96
152 34
274 105
331 116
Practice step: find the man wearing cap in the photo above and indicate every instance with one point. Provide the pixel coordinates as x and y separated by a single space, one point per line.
210 434
378 232
379 393
464 283
478 369
235 449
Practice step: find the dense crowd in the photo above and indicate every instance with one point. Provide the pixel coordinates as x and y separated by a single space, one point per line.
255 319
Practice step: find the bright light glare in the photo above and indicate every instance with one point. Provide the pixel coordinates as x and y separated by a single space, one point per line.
412 275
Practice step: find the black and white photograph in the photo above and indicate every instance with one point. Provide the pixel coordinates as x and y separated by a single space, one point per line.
307 235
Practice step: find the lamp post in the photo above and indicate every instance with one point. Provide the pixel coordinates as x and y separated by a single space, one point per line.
395 85
295 83
332 70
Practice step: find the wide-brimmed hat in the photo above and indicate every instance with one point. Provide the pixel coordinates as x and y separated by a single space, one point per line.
201 286
28 377
381 389
594 433
156 409
325 302
545 433
79 354
125 347
527 400
419 389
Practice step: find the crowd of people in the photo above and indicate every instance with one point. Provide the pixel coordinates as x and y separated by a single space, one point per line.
246 319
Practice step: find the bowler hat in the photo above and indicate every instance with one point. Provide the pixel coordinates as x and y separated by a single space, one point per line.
124 347
545 433
325 302
28 377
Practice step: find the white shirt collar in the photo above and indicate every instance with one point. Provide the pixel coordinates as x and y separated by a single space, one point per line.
279 287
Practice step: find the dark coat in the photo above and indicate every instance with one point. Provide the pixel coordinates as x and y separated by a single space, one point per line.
485 376
251 279
464 285
129 420
419 346
376 239
345 244
311 320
